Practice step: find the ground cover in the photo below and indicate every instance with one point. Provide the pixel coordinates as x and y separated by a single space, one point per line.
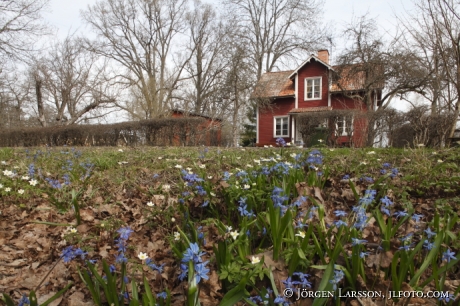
225 226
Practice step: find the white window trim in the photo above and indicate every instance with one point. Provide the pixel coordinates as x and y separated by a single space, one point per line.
344 128
320 88
274 126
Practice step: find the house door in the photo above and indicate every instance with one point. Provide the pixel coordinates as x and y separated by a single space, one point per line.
298 136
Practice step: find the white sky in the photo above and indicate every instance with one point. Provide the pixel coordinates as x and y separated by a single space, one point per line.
65 14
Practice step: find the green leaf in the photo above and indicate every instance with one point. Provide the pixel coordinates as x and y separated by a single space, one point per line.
431 256
8 300
57 295
325 285
33 298
148 296
236 294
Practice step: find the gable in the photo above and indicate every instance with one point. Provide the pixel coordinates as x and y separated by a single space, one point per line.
310 59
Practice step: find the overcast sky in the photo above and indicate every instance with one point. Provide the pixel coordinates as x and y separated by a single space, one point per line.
65 14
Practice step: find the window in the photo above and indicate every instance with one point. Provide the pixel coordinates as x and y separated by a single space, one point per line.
344 126
312 88
281 127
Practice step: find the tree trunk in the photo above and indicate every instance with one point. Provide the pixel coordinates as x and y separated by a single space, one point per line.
38 91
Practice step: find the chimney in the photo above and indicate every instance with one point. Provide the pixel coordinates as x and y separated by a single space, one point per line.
324 55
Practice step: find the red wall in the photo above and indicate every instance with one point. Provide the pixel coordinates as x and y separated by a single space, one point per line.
279 107
338 101
312 69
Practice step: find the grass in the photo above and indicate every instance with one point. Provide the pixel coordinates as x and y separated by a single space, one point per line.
281 205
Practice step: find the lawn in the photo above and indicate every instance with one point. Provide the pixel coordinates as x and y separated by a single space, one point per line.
217 226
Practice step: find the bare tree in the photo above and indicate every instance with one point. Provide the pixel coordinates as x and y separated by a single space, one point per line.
139 36
276 30
236 88
375 71
20 25
207 65
72 79
435 31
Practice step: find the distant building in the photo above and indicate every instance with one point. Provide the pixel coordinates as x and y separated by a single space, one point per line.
209 133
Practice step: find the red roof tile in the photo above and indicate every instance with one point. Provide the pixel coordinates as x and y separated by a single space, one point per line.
274 84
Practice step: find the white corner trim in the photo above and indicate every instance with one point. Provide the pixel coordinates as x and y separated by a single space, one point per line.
296 105
257 124
329 80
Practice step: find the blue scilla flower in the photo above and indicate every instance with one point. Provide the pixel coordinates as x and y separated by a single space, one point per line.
281 300
446 297
256 299
226 176
386 201
356 241
430 233
265 171
383 171
448 256
369 196
66 178
299 201
54 183
125 232
385 210
363 254
201 271
303 279
406 238
241 173
386 165
280 142
340 223
417 217
346 177
192 253
340 213
184 272
400 214
315 158
162 295
428 245
406 247
70 253
121 258
200 190
288 283
24 300
244 212
31 171
191 178
338 276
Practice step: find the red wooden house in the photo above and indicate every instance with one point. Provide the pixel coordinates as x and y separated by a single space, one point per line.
209 133
313 87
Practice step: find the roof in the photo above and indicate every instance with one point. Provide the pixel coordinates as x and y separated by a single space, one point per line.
353 78
280 84
274 84
310 109
307 61
193 114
